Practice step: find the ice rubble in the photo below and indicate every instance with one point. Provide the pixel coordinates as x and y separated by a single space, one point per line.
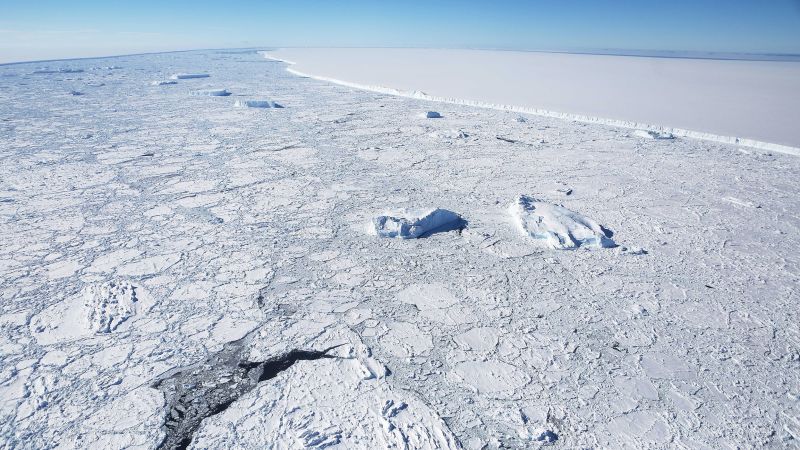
405 224
163 82
653 134
188 76
108 304
212 92
559 227
256 104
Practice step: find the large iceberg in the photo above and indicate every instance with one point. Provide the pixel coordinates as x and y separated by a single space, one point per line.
557 226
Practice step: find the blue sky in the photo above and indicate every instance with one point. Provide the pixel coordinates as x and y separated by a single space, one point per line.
41 29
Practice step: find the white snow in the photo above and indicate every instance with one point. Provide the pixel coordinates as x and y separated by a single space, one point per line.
755 103
558 227
412 224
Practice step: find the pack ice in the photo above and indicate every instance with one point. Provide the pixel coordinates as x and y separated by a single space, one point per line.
557 226
108 304
405 224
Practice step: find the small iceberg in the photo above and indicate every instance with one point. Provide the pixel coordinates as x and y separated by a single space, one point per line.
414 224
652 134
256 104
558 227
212 92
61 70
163 82
189 76
432 115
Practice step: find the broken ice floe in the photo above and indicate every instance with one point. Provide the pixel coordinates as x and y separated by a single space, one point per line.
557 226
189 76
406 224
212 92
256 104
652 134
163 82
109 304
432 115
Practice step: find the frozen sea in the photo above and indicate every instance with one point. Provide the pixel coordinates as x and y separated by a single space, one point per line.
200 261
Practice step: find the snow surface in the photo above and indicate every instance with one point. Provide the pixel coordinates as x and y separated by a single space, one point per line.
754 103
248 234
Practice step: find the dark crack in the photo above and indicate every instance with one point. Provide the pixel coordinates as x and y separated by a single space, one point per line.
209 388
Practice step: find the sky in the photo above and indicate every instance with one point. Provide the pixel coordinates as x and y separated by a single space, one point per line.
52 29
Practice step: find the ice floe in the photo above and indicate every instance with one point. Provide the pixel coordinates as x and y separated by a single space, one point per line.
557 226
412 224
212 92
256 104
189 76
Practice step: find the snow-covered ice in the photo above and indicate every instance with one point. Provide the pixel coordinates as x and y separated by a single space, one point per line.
412 224
176 270
556 225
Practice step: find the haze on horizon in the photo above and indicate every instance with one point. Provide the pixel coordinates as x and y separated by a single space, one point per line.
51 29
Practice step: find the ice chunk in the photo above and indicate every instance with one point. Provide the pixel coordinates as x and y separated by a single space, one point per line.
256 104
108 304
213 92
163 82
188 76
414 224
559 227
433 115
652 134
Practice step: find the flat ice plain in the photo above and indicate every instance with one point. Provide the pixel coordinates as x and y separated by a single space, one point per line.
176 271
757 101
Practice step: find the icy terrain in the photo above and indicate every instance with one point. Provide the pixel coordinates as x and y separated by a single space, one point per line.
177 271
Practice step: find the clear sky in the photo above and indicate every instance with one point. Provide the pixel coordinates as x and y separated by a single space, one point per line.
43 29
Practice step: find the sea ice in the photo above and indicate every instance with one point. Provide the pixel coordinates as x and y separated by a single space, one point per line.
256 104
213 92
432 115
61 70
188 76
406 224
163 82
559 227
